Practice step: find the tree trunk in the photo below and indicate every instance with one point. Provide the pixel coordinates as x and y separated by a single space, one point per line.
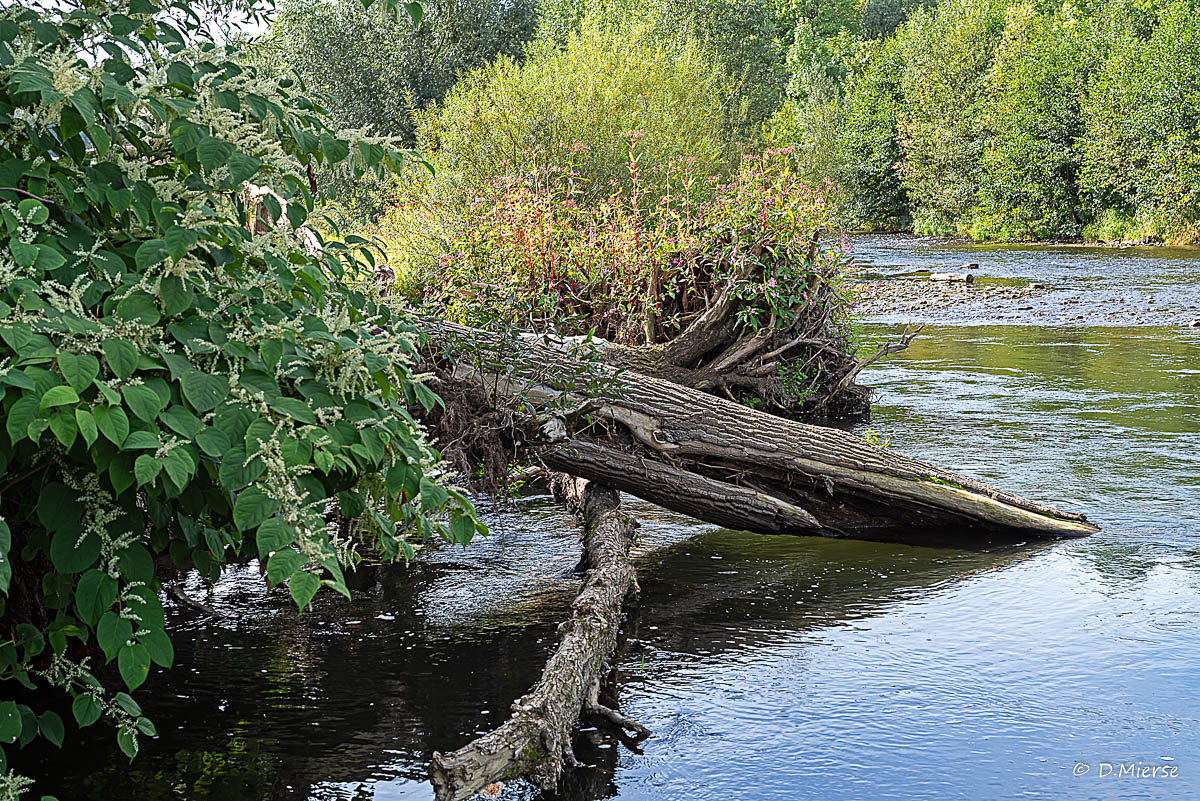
719 461
537 738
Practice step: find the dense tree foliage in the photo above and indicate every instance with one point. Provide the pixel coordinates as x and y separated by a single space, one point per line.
1013 119
188 376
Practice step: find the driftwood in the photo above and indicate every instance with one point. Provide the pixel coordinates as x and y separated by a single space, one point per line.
966 278
708 457
536 740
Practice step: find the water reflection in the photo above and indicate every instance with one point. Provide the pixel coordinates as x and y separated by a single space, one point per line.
769 668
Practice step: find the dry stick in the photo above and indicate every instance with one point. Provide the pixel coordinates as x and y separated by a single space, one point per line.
892 347
536 740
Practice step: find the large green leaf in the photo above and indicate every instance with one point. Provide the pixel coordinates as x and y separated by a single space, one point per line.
142 401
112 422
78 369
303 586
252 507
122 357
283 564
112 632
134 663
204 391
86 710
73 552
94 593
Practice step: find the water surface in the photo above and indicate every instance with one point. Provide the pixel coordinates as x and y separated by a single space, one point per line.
769 667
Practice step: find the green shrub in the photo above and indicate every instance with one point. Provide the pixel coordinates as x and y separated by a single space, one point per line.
1142 145
743 36
176 390
601 84
947 53
1031 163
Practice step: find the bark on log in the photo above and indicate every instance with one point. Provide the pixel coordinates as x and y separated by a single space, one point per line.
966 278
536 740
716 460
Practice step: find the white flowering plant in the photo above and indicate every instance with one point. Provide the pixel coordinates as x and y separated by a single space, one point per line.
189 374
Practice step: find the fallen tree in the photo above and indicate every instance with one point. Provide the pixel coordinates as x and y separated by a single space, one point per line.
574 406
536 739
694 452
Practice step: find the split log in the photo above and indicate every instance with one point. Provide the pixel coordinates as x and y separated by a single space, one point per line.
711 458
536 740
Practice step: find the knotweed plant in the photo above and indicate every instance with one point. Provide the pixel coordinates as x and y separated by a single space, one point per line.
186 378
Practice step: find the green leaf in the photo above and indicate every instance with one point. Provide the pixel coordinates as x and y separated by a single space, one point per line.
243 167
87 426
112 422
273 535
127 741
86 710
235 473
213 441
178 242
283 564
112 633
61 395
139 308
142 401
335 150
148 254
23 254
62 423
179 466
133 662
158 645
51 727
71 553
203 391
94 593
176 295
295 409
122 357
462 529
183 422
303 586
10 722
213 152
251 508
20 415
415 11
78 369
146 469
432 495
33 211
59 508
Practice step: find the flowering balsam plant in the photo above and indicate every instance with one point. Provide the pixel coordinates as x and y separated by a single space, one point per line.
187 378
638 266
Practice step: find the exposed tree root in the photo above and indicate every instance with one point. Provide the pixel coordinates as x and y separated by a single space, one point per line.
536 740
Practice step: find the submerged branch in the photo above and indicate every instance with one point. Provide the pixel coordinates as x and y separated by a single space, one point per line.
536 740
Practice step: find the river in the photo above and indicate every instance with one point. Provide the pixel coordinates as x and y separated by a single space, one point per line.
777 667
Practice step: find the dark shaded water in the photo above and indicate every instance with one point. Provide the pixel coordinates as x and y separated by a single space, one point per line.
769 668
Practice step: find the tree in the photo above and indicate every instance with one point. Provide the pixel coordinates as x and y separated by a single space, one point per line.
1141 151
188 378
376 68
947 53
1031 165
